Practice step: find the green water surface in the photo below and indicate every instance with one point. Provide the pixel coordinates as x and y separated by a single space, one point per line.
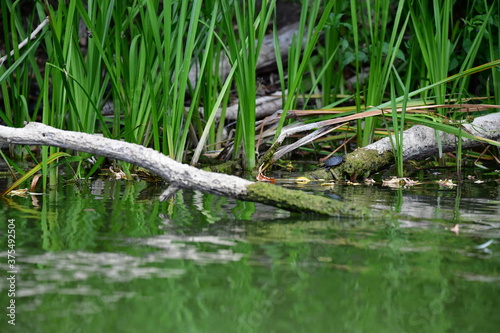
108 257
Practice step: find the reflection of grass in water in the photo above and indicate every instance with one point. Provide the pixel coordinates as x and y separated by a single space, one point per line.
112 256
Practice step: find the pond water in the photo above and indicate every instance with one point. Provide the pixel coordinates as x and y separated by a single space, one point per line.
107 256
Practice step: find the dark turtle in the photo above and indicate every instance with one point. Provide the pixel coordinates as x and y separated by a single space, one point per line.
332 162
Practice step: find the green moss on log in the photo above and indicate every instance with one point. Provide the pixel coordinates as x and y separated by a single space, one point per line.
229 167
358 164
363 162
299 201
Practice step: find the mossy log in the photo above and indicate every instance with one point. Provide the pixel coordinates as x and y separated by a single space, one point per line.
179 175
419 142
299 201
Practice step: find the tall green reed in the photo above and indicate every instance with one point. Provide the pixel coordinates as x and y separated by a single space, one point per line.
139 54
431 20
311 25
471 46
244 45
494 48
382 47
211 94
19 73
399 121
75 80
432 25
335 44
177 59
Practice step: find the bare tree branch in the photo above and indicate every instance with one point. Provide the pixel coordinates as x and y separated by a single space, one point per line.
25 41
178 175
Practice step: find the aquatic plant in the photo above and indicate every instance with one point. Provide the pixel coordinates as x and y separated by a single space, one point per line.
148 71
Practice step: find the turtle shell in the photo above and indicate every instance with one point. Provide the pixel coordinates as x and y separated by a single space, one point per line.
333 161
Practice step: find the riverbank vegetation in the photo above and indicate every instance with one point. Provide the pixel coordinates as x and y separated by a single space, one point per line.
153 72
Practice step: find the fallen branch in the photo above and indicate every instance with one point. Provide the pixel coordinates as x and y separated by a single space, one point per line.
178 175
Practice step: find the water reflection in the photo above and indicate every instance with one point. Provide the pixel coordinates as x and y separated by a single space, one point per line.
61 267
108 257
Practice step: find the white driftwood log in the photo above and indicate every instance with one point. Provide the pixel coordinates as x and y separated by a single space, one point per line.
178 175
420 141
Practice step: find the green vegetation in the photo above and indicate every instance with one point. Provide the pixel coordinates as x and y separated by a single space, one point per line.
243 54
155 66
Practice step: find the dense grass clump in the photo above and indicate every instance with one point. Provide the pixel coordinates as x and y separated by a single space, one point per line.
149 71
